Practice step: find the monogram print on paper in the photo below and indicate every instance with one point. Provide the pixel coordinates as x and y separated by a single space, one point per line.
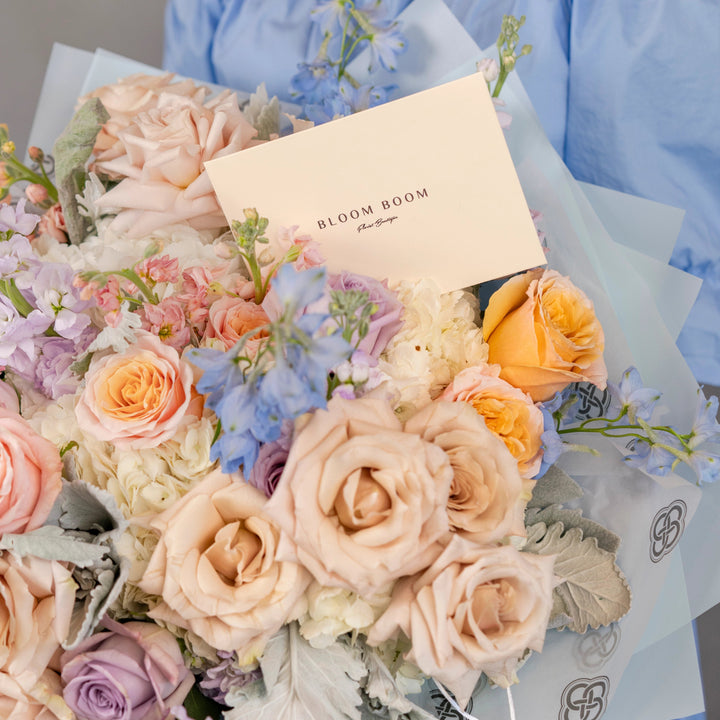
667 529
592 402
593 649
585 699
444 710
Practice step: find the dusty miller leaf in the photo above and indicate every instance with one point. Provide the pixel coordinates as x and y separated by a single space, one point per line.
385 699
594 591
304 683
72 150
554 488
264 114
52 543
607 540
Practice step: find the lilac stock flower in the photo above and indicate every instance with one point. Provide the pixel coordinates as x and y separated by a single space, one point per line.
56 356
16 219
16 256
17 336
632 398
59 300
226 677
385 321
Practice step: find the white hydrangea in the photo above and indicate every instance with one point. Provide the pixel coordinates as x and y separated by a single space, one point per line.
440 337
331 612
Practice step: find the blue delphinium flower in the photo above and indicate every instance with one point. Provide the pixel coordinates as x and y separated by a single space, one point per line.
629 397
253 398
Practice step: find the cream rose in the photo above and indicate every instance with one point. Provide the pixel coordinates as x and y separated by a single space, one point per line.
508 412
43 702
163 164
36 601
136 399
475 610
129 97
229 318
542 331
216 568
487 499
361 502
30 475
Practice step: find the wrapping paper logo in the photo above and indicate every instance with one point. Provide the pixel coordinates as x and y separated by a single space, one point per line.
445 711
666 529
585 699
592 402
593 649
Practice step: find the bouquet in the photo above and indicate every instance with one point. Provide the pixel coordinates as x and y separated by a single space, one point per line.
237 485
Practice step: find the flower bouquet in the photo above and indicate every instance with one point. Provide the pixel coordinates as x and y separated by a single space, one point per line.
236 484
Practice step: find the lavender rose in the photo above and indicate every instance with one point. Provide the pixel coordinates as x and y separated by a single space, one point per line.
131 671
385 321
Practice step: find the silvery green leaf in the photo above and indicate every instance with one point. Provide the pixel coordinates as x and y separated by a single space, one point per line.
72 150
52 543
304 683
607 540
87 508
385 699
75 145
594 591
554 488
98 587
263 113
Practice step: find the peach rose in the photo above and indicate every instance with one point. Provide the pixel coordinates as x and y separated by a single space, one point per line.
229 318
30 475
166 148
361 501
136 399
217 570
543 333
129 97
487 498
36 602
508 412
43 702
474 610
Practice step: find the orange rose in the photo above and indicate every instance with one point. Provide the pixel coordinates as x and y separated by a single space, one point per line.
138 398
509 413
543 332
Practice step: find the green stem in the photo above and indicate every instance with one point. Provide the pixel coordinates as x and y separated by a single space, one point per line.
134 278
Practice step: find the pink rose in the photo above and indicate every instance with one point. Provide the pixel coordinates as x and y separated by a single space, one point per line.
36 602
138 398
9 397
130 671
508 412
30 475
229 318
361 501
53 223
474 610
217 570
487 499
166 148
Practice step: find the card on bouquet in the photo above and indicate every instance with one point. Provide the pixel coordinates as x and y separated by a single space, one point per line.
422 186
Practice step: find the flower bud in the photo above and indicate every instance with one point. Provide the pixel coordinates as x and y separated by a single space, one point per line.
35 154
37 194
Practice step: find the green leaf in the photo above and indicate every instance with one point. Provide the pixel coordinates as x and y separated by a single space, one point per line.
200 707
606 539
594 591
72 150
554 488
52 543
304 683
380 685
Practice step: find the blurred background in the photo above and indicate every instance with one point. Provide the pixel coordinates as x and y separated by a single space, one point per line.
134 28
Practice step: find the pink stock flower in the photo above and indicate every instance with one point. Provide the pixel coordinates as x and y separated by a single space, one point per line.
167 321
108 298
159 269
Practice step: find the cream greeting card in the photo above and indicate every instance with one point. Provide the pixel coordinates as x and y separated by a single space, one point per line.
422 186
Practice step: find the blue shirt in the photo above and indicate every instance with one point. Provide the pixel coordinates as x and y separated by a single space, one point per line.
628 93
